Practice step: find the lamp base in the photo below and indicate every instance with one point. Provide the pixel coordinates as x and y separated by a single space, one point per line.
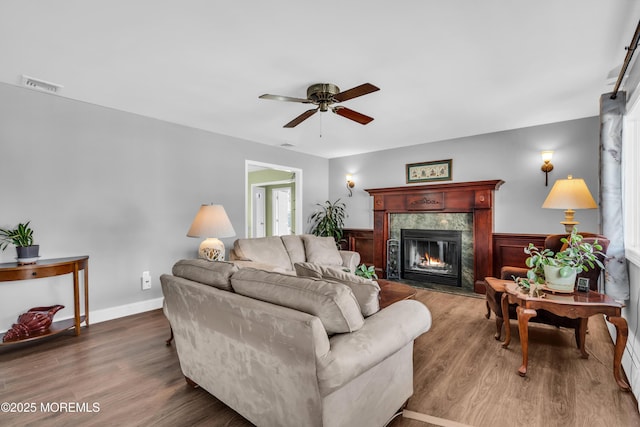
211 249
568 222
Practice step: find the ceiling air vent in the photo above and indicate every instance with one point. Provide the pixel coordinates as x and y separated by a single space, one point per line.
37 84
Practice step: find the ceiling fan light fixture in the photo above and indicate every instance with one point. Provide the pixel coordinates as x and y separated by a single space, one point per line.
324 95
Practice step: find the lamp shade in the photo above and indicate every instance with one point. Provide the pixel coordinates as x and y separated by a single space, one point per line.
570 193
211 221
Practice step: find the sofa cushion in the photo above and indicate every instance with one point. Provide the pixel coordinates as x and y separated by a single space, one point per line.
212 273
266 250
295 248
367 292
321 250
333 303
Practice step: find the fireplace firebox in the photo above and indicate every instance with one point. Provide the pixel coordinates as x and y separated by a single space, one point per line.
432 256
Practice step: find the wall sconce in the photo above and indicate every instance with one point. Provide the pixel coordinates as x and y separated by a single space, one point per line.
547 166
350 184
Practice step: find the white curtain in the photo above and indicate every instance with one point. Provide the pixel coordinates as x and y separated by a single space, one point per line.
616 283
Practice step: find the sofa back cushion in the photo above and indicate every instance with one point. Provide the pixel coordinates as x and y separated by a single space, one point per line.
265 250
321 250
295 248
367 292
333 303
212 273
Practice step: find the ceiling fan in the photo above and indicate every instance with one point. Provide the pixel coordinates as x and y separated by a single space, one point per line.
324 95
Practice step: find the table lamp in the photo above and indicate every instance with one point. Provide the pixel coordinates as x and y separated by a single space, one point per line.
569 194
211 222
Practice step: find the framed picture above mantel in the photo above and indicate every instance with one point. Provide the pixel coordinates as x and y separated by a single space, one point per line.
439 170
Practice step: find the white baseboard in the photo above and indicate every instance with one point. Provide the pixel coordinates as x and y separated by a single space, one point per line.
111 313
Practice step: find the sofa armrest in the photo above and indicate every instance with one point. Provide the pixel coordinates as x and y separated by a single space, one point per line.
382 335
350 260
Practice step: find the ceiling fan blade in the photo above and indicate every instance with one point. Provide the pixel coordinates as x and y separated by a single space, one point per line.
301 118
352 115
363 89
284 98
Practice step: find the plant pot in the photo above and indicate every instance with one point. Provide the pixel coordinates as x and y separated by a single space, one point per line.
27 254
556 282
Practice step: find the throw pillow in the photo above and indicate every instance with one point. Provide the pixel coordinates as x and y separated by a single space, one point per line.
212 273
333 303
321 250
308 269
367 292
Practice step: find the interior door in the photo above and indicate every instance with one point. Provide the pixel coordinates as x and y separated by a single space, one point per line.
281 203
258 214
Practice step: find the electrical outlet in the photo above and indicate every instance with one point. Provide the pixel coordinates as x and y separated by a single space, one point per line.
146 280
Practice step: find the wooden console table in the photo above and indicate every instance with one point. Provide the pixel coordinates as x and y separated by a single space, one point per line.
13 271
579 305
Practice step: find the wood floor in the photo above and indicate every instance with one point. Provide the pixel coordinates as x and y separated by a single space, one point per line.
121 373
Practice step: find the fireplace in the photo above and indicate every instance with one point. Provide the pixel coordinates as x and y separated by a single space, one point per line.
432 256
473 198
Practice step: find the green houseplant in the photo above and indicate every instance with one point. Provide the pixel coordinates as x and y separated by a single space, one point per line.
558 270
329 220
366 272
22 238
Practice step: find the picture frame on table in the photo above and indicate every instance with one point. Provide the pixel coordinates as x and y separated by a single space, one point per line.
439 170
583 284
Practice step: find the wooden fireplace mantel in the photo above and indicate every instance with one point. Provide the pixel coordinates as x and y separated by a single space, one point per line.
456 197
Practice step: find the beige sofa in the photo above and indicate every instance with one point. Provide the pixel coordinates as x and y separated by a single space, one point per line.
281 253
283 350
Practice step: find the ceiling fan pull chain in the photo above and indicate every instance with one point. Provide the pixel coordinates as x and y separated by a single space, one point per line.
320 125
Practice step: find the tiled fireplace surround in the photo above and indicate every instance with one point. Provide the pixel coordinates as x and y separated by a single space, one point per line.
465 206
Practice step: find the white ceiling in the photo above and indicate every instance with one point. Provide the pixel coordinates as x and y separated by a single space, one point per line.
445 69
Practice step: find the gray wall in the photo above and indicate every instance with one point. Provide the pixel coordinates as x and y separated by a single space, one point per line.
120 188
512 156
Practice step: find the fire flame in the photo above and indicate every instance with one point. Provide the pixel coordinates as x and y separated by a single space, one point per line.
432 261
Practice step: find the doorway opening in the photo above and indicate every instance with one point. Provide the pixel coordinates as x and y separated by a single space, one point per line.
273 198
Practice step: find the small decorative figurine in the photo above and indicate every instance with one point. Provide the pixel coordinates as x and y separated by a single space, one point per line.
34 322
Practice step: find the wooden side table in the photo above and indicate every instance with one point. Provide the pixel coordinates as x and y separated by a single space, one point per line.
391 292
579 305
13 271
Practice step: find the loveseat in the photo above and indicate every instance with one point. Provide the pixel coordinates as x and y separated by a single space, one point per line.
284 350
281 253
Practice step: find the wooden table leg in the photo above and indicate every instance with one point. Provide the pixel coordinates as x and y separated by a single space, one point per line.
524 314
493 304
622 332
582 336
86 293
76 299
507 328
499 323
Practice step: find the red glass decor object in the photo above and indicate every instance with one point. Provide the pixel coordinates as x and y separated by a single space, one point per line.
34 322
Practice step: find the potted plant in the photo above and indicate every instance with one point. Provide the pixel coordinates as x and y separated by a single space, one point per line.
22 238
366 272
329 221
558 271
